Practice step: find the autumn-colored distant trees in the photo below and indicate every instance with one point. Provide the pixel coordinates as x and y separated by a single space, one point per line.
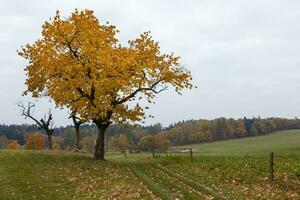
196 131
181 133
13 145
35 141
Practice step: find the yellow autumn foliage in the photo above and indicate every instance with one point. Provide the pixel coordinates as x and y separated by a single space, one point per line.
81 65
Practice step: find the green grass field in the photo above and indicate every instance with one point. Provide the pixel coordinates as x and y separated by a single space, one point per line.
280 142
27 175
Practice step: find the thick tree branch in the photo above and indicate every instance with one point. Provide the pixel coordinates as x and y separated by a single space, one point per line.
77 121
140 89
90 97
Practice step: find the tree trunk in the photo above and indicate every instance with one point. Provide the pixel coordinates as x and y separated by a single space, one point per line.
50 142
77 147
153 153
106 142
100 144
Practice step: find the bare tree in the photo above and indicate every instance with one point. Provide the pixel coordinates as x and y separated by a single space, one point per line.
77 123
44 123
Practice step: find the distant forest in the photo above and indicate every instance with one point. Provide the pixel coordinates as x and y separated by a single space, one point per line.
180 133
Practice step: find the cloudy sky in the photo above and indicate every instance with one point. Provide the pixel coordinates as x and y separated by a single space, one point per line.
244 55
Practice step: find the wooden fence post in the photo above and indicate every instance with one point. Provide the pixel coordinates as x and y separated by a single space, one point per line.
191 154
271 167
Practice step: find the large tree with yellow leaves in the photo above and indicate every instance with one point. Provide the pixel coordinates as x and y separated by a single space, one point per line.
81 65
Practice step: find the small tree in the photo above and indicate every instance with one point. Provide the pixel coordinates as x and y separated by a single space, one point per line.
14 144
77 123
35 141
162 142
45 124
120 143
81 65
148 143
152 143
3 141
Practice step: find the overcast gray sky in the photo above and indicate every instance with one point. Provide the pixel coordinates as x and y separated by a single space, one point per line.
244 55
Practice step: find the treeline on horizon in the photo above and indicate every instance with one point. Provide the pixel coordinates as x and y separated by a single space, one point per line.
180 133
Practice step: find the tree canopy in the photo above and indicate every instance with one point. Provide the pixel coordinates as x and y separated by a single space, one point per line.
81 65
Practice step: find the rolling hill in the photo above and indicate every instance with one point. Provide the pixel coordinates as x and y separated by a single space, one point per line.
282 142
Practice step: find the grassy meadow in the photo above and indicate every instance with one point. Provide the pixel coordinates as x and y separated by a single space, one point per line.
280 142
233 169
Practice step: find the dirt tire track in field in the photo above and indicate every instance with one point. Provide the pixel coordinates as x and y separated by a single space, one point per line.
151 186
152 194
210 192
187 186
183 190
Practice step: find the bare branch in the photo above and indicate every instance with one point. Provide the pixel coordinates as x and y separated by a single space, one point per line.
42 123
26 112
